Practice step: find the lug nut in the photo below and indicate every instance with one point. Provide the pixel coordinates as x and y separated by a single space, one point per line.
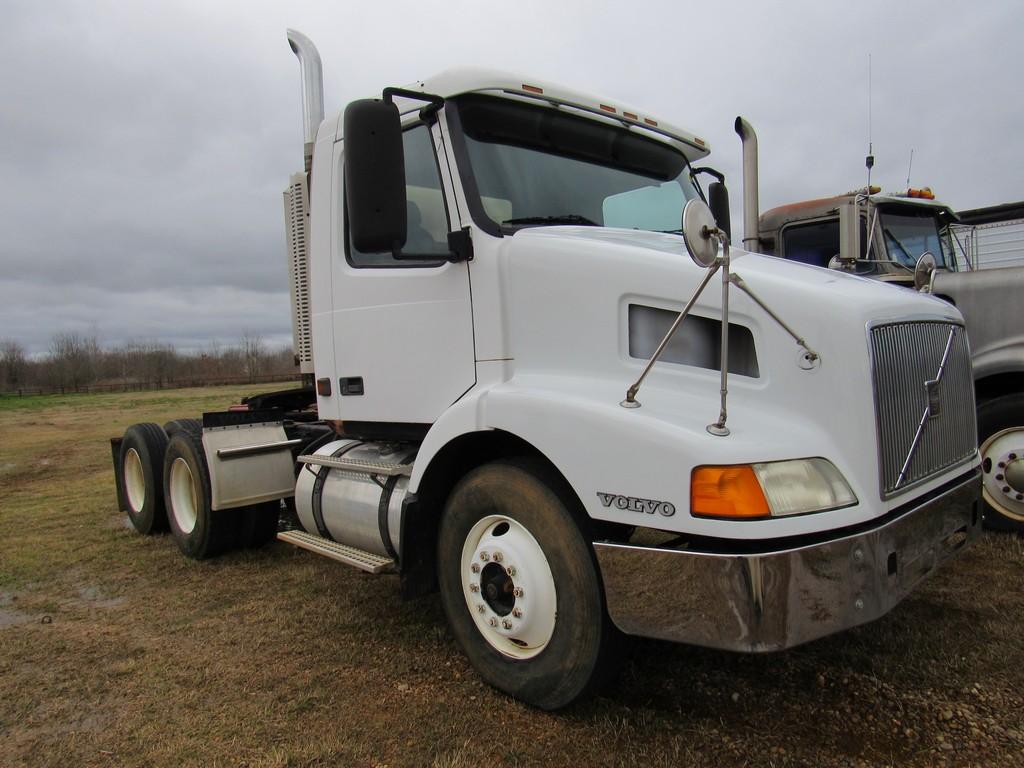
517 612
474 587
506 624
517 592
858 555
511 570
999 477
858 604
475 567
497 557
481 608
494 622
484 556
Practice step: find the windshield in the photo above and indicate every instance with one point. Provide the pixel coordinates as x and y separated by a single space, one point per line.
908 235
538 165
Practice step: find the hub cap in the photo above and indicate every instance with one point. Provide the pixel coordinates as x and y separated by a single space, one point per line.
183 496
134 480
1002 457
508 586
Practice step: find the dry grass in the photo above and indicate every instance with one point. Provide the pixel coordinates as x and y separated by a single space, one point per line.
115 650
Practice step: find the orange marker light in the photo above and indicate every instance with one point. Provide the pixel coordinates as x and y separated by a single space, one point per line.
532 88
629 116
606 108
651 122
729 492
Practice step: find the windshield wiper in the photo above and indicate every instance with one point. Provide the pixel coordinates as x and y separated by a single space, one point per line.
567 218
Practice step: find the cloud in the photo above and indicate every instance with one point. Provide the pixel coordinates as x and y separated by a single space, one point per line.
145 145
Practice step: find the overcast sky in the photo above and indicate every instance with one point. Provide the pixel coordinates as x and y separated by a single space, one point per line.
144 146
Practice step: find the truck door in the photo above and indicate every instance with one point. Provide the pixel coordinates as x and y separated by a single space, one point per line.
403 330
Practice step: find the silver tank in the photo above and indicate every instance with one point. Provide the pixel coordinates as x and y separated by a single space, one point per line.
359 510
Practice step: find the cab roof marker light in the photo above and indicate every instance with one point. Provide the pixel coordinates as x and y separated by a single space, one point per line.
651 122
606 108
630 116
532 88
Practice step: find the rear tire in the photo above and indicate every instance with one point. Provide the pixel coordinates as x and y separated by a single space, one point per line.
520 585
141 477
258 525
200 532
1001 439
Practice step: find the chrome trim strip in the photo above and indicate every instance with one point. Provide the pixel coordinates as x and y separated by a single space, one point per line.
241 451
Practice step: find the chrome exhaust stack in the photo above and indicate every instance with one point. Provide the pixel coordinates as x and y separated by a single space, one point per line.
312 90
751 241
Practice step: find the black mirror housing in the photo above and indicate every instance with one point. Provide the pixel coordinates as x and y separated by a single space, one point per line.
375 176
718 200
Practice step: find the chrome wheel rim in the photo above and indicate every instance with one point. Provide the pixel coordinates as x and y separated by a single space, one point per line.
508 587
184 504
1002 461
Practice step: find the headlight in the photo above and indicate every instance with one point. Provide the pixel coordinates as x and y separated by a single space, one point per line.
772 489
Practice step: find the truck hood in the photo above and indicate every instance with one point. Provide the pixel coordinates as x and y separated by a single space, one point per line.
566 298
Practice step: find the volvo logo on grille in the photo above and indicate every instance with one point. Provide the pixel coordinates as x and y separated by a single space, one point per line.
634 504
934 404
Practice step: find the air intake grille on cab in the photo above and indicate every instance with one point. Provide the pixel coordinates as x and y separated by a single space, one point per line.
924 400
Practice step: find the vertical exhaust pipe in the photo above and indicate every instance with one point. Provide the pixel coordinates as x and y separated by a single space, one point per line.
312 90
751 241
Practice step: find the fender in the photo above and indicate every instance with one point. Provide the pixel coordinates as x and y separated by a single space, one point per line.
569 419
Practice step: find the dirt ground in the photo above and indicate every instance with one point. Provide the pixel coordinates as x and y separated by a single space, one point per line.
115 650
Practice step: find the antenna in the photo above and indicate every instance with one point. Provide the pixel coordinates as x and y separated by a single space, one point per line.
869 161
911 165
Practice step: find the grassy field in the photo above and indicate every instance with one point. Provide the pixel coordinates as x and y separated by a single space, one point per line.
115 650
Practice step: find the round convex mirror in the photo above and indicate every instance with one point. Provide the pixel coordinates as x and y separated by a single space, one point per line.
923 270
698 222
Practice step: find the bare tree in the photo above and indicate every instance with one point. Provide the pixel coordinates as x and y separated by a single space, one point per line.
74 357
12 363
252 354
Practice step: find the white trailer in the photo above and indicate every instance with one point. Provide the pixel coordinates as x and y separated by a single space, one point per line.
523 396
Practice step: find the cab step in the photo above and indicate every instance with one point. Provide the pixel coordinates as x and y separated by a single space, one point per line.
358 467
364 561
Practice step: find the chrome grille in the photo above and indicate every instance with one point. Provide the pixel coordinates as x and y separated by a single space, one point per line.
924 400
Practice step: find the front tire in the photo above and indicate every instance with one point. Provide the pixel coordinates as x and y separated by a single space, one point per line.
1001 439
520 585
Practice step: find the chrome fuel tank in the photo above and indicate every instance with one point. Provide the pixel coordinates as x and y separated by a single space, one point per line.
354 506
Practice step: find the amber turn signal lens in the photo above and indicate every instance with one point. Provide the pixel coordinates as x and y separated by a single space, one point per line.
729 492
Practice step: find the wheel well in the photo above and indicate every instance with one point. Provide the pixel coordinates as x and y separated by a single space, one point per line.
997 385
420 525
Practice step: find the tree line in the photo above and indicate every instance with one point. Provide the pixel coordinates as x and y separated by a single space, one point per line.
77 360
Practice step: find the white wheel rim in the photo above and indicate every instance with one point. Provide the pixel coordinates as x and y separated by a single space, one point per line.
1002 456
508 586
183 496
134 480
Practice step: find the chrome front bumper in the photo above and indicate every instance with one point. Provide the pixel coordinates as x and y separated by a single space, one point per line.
780 598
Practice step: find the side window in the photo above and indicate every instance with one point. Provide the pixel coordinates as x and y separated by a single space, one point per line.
427 215
816 243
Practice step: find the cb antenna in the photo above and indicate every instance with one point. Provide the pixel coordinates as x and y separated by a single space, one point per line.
869 161
909 166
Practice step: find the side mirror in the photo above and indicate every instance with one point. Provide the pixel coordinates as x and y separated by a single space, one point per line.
924 269
698 226
718 197
375 176
841 264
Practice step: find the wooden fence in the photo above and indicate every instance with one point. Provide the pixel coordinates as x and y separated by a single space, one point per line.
140 386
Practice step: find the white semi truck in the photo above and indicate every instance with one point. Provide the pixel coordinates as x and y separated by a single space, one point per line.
908 239
523 396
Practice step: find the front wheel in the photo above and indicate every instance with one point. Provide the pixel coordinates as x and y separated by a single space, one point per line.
1001 432
520 585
